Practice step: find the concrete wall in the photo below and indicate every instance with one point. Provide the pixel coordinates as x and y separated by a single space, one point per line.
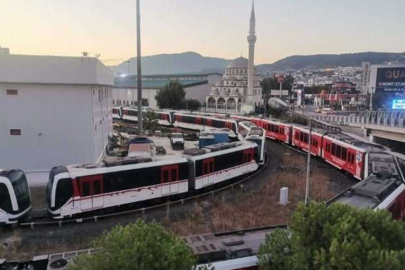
60 125
130 95
199 92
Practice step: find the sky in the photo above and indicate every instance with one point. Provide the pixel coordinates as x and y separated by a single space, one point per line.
216 28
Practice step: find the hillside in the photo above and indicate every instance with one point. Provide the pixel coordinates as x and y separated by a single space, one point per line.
188 62
333 60
191 62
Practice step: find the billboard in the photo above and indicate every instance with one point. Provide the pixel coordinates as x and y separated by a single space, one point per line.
398 104
390 80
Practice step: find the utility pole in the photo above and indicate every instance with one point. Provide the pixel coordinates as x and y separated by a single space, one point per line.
308 162
139 70
281 87
371 99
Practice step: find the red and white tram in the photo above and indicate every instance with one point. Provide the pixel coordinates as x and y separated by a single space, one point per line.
78 189
277 130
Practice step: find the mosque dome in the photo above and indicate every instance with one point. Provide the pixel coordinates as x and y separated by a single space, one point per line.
240 62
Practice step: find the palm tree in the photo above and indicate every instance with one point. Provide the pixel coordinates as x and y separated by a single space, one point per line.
150 121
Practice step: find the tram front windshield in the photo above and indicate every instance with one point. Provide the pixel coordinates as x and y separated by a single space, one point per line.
21 190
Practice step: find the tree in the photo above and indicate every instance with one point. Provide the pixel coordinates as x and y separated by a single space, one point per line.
145 102
150 121
191 104
171 96
138 246
336 237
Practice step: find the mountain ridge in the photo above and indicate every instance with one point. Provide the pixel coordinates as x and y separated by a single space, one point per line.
192 62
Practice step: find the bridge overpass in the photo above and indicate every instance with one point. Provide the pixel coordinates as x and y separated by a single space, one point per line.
386 125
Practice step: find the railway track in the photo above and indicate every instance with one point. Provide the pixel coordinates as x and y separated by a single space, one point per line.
42 221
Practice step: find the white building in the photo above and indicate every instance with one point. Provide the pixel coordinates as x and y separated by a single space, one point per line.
53 111
229 94
239 90
197 86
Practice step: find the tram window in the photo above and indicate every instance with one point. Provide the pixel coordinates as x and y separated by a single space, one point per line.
344 153
97 187
5 202
198 168
338 150
301 136
64 191
333 152
85 189
165 176
174 175
305 135
352 159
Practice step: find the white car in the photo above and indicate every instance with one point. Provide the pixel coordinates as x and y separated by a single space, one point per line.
177 141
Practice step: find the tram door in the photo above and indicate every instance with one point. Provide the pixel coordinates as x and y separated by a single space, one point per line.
170 178
208 170
91 191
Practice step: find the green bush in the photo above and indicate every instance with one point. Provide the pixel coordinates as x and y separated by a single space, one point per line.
138 246
336 237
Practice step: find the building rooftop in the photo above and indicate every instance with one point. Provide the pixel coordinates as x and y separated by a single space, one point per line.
132 82
384 178
156 81
226 246
54 70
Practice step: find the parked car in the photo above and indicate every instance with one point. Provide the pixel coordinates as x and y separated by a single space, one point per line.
177 141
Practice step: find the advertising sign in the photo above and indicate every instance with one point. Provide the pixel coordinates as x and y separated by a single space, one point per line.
390 80
398 104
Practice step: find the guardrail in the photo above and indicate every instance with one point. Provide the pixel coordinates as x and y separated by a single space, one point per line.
381 118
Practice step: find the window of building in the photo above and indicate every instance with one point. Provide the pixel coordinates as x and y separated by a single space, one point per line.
12 92
15 132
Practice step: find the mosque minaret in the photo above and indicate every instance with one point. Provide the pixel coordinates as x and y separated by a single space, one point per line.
251 40
239 89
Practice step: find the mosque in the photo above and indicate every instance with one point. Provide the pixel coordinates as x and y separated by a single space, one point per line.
239 89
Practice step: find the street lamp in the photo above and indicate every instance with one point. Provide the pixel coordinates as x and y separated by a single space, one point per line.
308 162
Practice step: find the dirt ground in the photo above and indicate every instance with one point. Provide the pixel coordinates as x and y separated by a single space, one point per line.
260 206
